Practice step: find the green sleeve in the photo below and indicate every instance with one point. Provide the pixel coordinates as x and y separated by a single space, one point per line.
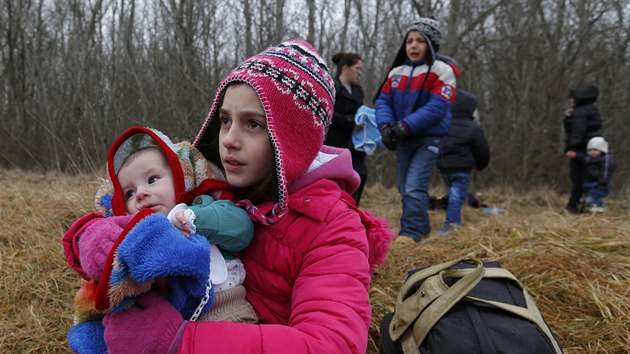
223 224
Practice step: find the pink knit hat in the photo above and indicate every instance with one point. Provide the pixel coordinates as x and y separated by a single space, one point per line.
297 93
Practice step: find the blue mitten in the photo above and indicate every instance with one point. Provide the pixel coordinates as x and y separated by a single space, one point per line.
154 249
87 338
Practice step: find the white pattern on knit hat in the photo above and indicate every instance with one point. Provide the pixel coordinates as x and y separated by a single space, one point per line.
297 93
430 28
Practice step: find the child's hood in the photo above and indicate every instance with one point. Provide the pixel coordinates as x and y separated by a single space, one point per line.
584 94
335 164
464 105
193 175
331 163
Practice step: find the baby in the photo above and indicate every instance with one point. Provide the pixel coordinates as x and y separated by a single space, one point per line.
150 178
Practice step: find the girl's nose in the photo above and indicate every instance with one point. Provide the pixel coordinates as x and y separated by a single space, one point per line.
231 139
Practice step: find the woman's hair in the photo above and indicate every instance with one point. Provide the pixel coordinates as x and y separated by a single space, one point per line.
342 59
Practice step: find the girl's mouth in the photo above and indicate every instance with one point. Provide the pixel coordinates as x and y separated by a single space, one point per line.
231 164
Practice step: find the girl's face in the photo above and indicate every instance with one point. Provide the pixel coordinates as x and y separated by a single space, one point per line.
416 46
353 73
244 145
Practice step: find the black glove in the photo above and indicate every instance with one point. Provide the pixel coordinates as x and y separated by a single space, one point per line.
388 137
401 129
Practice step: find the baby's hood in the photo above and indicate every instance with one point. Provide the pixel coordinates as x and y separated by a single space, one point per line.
193 175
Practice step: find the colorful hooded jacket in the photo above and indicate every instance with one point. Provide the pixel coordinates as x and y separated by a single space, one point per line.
288 283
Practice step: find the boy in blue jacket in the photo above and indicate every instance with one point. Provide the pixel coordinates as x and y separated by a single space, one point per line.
413 114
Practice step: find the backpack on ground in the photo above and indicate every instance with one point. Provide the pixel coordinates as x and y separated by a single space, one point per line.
465 306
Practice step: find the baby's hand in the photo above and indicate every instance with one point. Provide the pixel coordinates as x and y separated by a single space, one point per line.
183 218
179 220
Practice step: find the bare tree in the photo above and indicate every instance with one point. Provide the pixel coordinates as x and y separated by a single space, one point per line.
74 74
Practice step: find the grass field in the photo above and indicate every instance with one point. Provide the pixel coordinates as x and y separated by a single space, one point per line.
576 267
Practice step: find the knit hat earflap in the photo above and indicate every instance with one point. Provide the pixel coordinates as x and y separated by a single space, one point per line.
297 93
598 143
192 174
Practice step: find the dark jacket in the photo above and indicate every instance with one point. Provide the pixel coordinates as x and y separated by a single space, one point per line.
465 147
598 169
585 121
346 106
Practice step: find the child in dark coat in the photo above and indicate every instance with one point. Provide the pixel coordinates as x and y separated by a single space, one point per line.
464 148
582 122
599 166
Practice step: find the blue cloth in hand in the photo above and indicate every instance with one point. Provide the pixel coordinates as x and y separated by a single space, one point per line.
368 138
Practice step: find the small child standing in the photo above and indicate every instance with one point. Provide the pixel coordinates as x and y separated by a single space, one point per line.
599 166
464 148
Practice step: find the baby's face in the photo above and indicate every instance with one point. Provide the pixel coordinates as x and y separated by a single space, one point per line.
594 152
146 180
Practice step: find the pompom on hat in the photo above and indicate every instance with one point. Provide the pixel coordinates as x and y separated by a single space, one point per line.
297 94
598 143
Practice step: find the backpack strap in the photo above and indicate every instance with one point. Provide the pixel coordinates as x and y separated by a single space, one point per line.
530 313
424 308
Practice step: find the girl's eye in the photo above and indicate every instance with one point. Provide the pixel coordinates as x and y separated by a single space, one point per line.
224 120
153 179
254 124
129 194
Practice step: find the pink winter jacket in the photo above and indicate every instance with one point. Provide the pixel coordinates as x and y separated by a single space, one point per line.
308 277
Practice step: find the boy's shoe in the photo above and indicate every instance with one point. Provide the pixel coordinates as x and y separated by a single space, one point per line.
596 209
447 228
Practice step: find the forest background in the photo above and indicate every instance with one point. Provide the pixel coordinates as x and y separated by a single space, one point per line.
76 73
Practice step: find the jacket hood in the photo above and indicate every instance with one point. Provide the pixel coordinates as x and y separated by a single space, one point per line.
464 105
193 175
330 163
584 94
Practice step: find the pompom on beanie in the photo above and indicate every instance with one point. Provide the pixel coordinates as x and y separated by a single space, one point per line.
297 94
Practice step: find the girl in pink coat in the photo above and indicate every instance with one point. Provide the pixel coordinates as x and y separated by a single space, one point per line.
313 252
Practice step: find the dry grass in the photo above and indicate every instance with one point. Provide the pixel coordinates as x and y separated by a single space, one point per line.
576 267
